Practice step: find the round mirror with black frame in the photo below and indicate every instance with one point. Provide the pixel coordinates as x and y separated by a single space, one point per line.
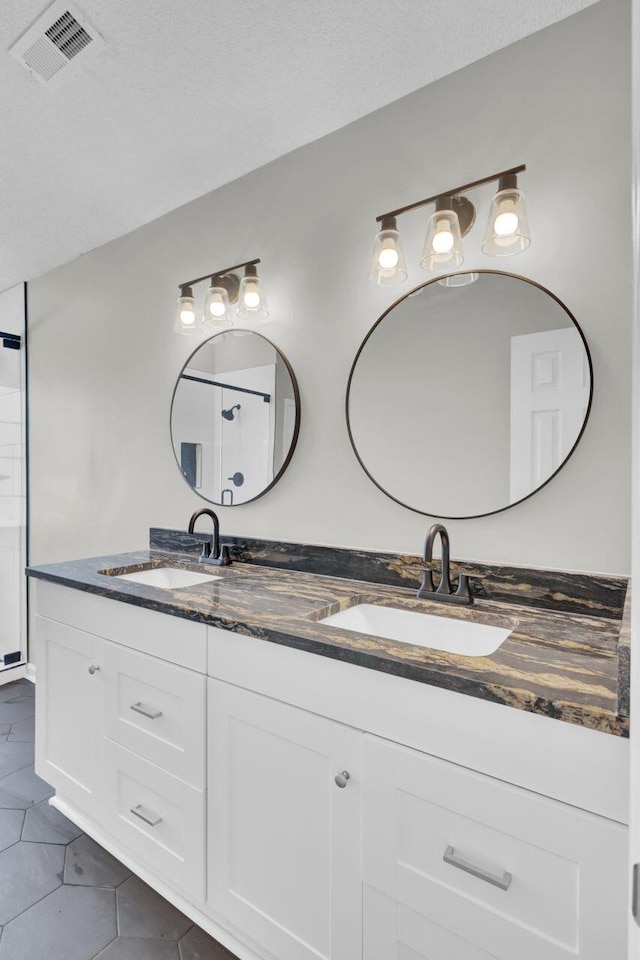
235 417
469 394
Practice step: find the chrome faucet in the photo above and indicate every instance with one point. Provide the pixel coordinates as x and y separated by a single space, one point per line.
444 590
211 554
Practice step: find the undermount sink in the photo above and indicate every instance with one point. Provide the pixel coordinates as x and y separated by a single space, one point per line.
422 629
168 578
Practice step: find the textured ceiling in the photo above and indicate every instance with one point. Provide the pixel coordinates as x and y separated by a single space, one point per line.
191 94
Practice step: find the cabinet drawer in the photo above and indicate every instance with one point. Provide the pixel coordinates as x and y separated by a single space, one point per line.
513 873
157 710
393 932
159 818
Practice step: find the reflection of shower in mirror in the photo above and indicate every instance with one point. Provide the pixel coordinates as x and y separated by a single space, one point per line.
235 407
229 414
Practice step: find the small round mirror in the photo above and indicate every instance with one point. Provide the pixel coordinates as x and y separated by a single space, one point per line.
467 397
235 417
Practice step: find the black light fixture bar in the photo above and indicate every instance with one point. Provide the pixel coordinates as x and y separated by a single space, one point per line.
451 193
218 273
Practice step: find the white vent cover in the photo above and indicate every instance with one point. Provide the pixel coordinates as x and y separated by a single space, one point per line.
57 44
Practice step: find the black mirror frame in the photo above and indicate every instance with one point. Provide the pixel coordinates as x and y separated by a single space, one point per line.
296 429
475 516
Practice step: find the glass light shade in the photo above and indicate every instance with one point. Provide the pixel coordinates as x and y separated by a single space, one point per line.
252 304
216 309
507 230
443 244
458 280
186 316
388 265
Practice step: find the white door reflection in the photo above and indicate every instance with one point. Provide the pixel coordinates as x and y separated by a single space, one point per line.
550 384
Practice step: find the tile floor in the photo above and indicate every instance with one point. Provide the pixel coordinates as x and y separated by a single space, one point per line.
62 897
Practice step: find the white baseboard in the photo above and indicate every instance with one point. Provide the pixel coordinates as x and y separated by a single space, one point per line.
30 672
9 674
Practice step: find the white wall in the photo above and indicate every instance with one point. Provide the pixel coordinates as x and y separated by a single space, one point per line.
104 358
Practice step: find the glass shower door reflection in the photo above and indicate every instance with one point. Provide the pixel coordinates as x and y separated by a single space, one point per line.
12 502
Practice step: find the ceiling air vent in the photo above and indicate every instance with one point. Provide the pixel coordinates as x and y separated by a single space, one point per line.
57 44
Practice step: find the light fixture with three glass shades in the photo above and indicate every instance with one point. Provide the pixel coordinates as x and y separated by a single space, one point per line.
506 233
225 288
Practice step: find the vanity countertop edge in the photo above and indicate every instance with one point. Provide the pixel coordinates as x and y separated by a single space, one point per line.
564 665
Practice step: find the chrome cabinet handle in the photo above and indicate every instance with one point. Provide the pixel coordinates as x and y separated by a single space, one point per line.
93 669
496 880
148 817
145 711
341 779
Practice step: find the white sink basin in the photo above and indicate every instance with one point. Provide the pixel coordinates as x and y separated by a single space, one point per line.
168 578
422 629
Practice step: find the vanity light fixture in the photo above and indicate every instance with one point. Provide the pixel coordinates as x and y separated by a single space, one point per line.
216 306
186 315
225 288
251 300
443 244
388 264
507 231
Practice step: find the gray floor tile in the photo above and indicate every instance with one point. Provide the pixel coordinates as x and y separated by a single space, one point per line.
10 827
198 945
44 824
14 710
9 691
29 872
142 913
124 948
22 789
28 689
4 728
14 756
24 730
89 865
72 923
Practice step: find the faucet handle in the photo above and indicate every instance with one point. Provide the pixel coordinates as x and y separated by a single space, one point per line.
464 580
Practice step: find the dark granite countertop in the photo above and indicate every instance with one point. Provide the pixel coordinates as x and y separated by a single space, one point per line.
562 664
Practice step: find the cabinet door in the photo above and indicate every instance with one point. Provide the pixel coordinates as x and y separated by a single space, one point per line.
284 838
508 873
69 712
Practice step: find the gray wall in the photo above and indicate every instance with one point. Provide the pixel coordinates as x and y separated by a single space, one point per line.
104 357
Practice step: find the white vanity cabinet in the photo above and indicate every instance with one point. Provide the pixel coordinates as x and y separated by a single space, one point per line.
69 713
285 825
121 734
482 868
300 808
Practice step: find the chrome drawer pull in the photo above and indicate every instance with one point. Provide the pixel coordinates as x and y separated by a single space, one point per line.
146 711
503 881
148 817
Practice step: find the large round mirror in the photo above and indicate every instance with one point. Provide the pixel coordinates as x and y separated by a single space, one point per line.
235 417
465 399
